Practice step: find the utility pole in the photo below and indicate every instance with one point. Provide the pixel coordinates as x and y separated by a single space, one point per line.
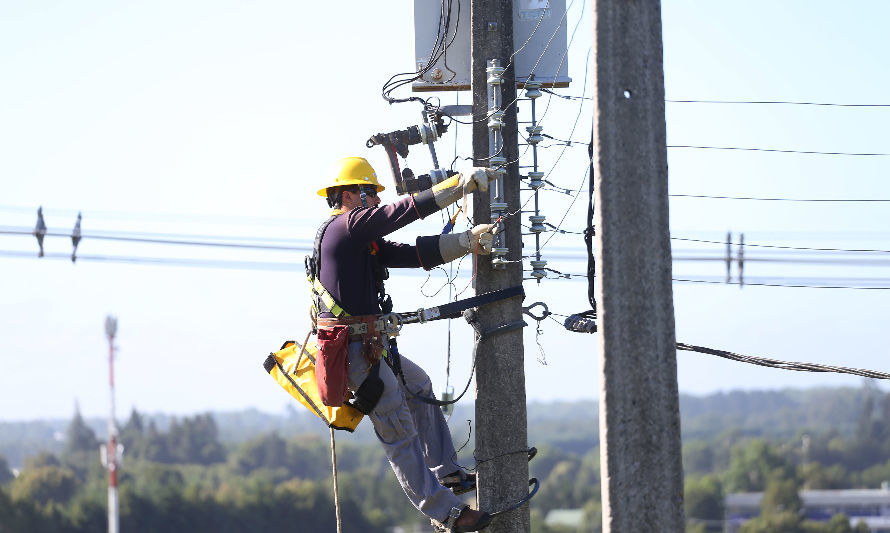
111 454
501 425
640 451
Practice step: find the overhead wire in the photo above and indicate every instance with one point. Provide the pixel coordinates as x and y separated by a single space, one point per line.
758 102
764 199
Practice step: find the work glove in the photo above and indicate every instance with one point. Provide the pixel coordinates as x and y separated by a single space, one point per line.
476 178
477 240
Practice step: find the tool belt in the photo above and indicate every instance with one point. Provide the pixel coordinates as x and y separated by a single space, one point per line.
367 329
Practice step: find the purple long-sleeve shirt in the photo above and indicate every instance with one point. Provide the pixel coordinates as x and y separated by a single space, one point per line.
347 260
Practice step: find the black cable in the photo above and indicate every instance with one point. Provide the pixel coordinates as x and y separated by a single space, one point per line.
789 285
109 237
723 243
779 199
569 97
773 150
775 102
785 365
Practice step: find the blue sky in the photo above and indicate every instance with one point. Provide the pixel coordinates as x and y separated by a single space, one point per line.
221 118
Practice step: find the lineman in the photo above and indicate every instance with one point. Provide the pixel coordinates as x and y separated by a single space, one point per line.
351 261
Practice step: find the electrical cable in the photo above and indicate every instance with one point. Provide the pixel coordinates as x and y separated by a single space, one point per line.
876 200
784 365
110 237
777 102
723 243
573 143
776 150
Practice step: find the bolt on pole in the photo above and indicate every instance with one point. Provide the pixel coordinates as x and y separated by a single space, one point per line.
640 450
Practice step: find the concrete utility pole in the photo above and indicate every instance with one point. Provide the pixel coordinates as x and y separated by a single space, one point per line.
640 453
501 431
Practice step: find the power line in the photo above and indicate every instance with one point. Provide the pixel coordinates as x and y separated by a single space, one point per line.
723 243
776 150
772 102
573 143
779 199
110 237
166 261
825 283
758 102
784 365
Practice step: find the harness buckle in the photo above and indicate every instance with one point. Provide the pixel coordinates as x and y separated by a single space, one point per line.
389 323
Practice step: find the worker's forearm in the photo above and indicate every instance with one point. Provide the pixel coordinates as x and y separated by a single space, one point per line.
438 197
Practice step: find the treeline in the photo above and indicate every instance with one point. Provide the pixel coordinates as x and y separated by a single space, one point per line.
183 476
185 480
814 457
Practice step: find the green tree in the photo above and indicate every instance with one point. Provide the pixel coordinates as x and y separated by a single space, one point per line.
45 484
6 474
155 445
698 458
753 465
703 500
195 440
81 446
43 458
781 495
132 435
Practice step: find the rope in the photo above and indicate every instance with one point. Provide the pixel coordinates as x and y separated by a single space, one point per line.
336 487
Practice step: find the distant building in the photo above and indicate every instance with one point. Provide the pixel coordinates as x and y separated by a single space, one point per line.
871 506
571 518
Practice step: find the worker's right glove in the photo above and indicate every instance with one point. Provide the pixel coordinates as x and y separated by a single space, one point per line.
477 240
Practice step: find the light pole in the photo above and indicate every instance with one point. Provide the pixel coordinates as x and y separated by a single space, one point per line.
113 452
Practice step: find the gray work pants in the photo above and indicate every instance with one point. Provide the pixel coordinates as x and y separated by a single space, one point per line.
414 434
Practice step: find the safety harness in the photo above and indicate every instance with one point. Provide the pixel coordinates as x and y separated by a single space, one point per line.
295 372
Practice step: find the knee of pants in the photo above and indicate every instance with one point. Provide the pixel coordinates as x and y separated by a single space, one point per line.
394 427
416 377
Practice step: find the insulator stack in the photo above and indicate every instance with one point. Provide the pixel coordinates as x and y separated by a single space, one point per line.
496 160
536 180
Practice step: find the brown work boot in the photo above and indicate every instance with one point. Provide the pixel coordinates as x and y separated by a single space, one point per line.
471 520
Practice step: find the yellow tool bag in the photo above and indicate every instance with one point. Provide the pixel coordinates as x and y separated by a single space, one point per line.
294 369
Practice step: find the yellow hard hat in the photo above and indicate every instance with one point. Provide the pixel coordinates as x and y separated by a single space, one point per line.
352 171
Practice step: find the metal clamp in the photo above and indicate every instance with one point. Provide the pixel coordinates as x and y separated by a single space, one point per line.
544 314
390 323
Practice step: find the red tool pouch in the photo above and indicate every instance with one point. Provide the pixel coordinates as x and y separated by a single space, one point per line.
331 372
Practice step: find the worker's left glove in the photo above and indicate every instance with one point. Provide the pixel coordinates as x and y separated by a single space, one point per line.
476 240
476 178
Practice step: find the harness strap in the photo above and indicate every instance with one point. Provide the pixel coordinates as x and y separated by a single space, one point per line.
323 301
481 334
454 309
